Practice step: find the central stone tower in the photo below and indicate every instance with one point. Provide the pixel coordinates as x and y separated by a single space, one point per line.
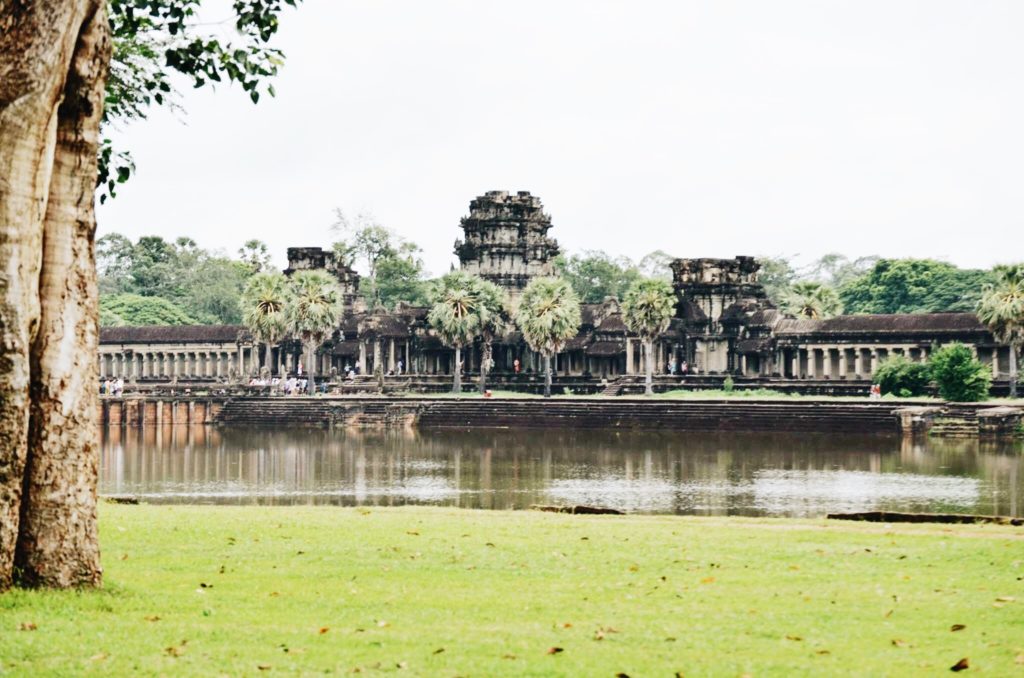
506 240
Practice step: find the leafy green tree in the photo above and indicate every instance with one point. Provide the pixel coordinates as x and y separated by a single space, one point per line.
456 315
157 40
263 306
314 310
1002 310
959 375
392 266
213 288
647 310
399 278
492 305
656 264
133 309
777 274
812 300
914 286
548 316
114 256
595 275
255 254
836 269
902 377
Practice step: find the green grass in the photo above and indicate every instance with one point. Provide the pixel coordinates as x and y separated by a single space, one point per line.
419 591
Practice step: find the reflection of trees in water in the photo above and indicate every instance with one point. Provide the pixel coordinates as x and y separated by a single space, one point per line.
689 472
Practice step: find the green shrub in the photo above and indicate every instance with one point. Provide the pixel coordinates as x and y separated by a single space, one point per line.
959 375
902 377
728 385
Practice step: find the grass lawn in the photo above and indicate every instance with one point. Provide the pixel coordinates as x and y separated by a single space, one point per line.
422 591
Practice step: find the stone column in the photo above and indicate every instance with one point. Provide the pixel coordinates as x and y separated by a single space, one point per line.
629 356
795 363
391 355
874 362
843 365
826 363
995 362
858 363
362 357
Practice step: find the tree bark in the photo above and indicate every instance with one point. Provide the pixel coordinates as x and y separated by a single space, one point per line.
648 367
37 41
547 375
46 492
457 384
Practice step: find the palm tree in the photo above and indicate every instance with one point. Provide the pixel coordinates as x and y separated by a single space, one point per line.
263 309
493 321
548 316
812 300
1002 309
314 311
648 308
456 316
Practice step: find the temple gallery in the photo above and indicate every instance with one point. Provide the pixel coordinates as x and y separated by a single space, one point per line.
724 324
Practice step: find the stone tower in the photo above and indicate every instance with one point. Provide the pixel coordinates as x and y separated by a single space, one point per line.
316 258
506 240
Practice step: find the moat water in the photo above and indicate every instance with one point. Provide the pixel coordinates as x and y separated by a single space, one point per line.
686 473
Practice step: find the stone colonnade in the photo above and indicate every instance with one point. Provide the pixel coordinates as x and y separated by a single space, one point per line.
156 362
839 361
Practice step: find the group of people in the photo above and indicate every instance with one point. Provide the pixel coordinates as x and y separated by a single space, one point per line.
113 387
678 368
290 386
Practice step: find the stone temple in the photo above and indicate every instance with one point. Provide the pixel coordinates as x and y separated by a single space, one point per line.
724 325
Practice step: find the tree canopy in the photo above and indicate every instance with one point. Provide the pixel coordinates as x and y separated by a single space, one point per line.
914 286
595 275
206 283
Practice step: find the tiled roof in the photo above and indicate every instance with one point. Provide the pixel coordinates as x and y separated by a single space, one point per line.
172 334
885 324
606 348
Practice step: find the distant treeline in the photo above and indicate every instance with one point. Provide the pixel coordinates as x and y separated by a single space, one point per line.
153 281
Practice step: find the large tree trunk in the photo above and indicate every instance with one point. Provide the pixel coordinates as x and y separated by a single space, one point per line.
53 61
457 384
648 367
547 375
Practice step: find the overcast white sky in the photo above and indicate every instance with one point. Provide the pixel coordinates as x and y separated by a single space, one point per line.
706 128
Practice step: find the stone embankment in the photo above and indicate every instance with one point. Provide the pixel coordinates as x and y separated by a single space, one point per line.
797 416
621 413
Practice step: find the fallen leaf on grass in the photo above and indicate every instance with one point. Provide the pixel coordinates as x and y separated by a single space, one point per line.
621 675
153 618
28 626
124 556
960 665
1005 599
413 533
383 623
439 650
506 656
204 585
707 580
263 667
555 650
1019 659
796 638
896 642
324 629
566 625
98 657
174 651
822 652
274 594
957 627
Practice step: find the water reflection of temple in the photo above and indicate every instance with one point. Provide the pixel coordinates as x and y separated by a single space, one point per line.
660 472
